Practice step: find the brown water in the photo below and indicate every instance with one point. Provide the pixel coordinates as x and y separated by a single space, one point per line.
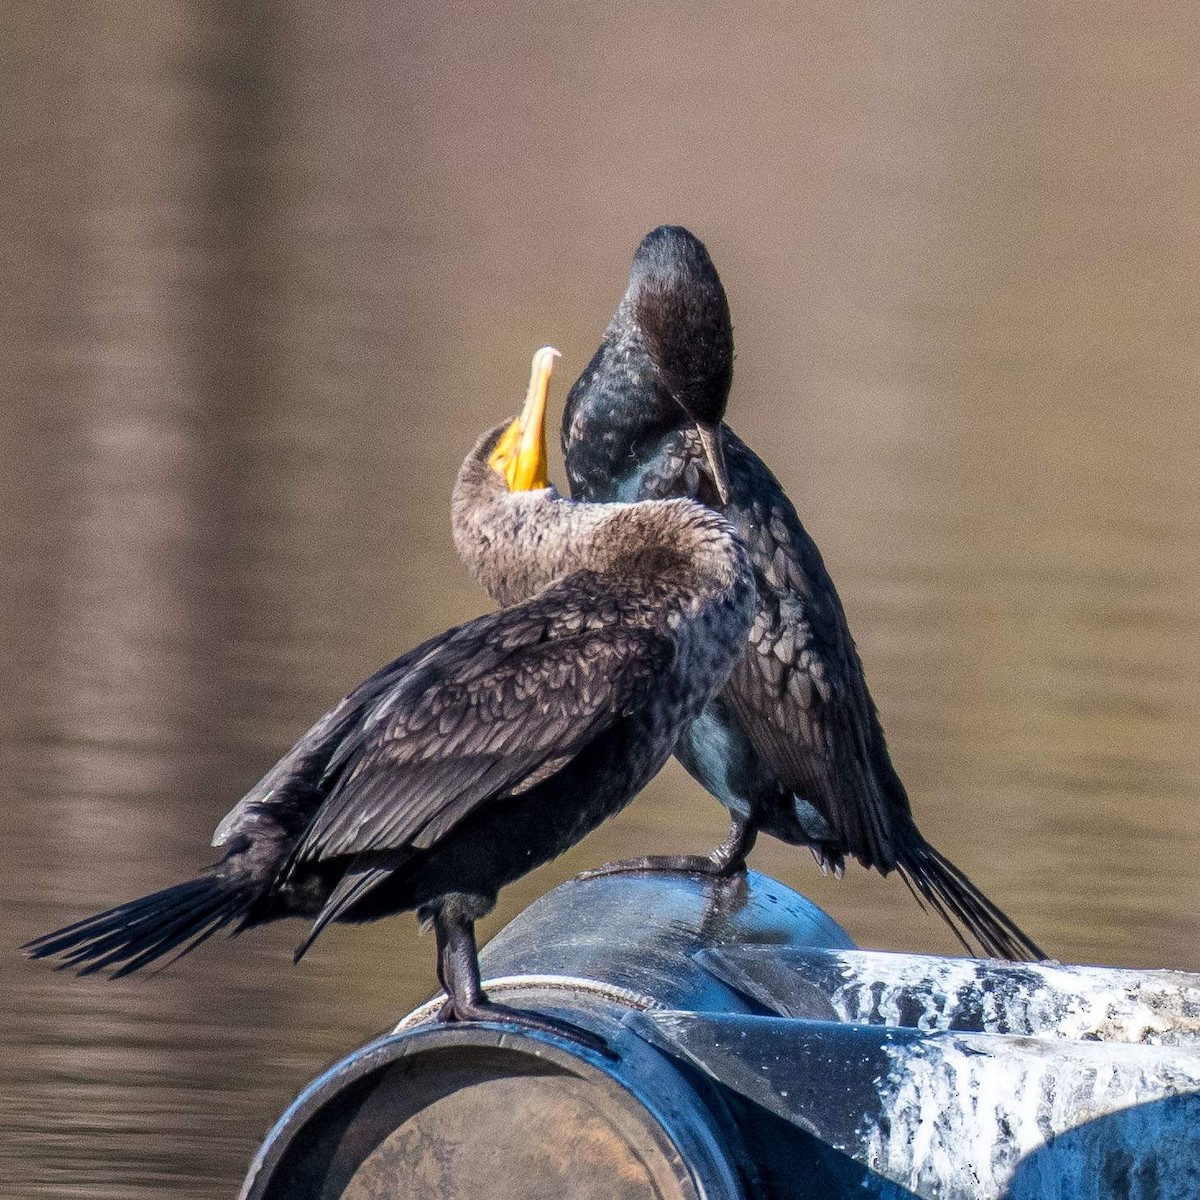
265 277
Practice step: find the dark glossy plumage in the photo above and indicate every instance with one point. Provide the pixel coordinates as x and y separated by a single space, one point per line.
481 754
792 745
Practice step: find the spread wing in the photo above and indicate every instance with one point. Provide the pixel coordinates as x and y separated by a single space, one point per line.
799 692
486 712
284 801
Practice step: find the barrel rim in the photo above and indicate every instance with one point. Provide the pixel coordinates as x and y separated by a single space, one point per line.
705 1163
507 985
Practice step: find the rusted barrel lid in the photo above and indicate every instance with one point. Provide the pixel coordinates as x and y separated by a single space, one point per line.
484 1113
492 1112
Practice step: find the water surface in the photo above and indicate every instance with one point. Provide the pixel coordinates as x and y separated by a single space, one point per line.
269 269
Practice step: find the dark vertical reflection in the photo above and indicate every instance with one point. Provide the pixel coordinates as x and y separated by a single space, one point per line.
148 246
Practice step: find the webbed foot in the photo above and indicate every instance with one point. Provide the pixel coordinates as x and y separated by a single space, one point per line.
723 861
695 864
483 1009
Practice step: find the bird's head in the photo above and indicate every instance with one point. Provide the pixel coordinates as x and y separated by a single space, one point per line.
676 299
502 499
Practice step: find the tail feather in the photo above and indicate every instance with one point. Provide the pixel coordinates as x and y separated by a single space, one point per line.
351 888
107 939
189 927
132 935
934 880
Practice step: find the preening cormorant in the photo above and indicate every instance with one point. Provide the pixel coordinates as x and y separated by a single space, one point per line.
488 750
792 745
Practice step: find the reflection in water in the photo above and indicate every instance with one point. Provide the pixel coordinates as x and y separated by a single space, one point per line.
273 267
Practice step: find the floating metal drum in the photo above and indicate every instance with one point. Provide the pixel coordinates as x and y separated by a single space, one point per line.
491 1112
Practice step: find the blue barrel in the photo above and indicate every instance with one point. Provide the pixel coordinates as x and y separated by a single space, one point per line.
761 1057
497 1112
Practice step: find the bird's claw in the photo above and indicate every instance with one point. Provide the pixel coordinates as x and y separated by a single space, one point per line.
692 864
457 1011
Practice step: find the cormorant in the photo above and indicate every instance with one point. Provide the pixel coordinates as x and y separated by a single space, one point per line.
792 745
488 750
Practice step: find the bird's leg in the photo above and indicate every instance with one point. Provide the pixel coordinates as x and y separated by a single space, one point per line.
722 861
446 1012
458 970
730 856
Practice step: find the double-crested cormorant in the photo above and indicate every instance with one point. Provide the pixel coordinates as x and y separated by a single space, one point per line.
792 745
488 750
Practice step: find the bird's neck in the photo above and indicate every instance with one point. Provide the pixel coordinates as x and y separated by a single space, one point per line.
514 543
674 544
517 543
616 418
